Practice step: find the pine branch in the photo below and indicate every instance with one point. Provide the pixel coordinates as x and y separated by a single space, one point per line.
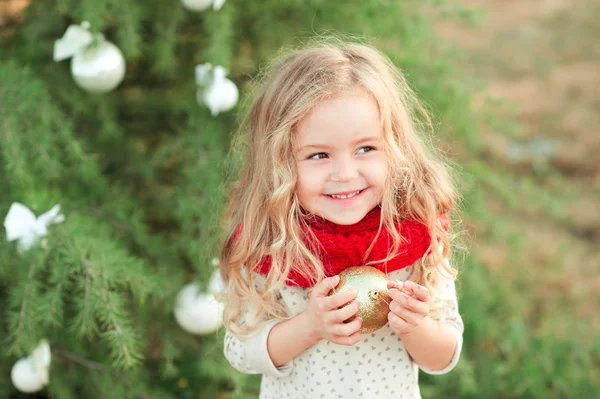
129 359
22 321
53 303
92 365
108 309
117 223
85 324
12 155
25 297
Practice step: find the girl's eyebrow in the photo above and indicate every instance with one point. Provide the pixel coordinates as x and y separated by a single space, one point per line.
327 146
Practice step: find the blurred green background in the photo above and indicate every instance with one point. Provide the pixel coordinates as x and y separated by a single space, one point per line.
513 87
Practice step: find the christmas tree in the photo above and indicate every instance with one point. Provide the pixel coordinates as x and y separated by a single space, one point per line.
135 157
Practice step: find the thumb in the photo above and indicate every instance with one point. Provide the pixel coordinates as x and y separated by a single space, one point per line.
323 287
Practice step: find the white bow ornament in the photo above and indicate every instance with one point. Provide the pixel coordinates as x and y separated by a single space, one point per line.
75 39
97 65
22 225
217 92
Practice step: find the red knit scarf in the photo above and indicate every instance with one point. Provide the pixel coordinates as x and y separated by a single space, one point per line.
345 245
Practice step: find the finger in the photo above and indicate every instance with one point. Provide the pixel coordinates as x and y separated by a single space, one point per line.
323 287
398 324
396 294
348 341
420 292
340 299
409 317
394 284
414 305
347 329
395 307
343 314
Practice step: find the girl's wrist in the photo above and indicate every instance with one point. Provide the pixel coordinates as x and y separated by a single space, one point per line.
418 329
311 333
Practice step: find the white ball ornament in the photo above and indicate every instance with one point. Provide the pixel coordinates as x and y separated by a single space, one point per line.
201 5
196 5
25 378
198 312
98 68
30 374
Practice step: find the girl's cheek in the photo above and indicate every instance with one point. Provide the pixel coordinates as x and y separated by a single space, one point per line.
316 173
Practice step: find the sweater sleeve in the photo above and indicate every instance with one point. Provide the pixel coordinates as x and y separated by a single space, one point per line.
447 314
250 355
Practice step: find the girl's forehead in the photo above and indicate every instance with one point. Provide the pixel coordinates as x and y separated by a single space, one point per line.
340 118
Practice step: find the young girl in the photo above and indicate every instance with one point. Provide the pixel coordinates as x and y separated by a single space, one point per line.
336 176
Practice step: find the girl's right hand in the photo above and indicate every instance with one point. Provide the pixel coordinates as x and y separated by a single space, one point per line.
327 314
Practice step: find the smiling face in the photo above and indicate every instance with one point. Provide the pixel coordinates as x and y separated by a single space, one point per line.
342 168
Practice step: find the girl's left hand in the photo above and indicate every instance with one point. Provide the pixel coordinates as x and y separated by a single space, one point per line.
409 305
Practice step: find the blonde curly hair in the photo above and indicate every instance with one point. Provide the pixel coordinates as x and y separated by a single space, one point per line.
263 200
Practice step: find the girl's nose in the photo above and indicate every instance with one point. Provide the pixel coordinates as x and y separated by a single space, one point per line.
344 170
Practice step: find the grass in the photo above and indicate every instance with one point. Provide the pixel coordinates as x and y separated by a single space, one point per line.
529 288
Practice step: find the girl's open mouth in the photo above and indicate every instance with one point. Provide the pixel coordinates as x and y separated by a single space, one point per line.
346 198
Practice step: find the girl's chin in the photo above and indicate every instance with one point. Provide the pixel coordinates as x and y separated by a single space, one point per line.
346 218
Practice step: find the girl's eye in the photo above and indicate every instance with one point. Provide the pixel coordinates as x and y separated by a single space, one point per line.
322 155
366 149
319 155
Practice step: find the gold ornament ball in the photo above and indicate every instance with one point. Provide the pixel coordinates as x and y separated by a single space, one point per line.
372 294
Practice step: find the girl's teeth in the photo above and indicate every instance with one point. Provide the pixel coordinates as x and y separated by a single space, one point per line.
344 196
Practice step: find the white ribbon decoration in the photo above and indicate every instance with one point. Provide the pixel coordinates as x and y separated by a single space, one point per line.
218 93
75 39
203 74
22 225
